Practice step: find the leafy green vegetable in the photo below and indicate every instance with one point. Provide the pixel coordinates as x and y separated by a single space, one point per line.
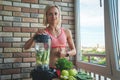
63 64
83 76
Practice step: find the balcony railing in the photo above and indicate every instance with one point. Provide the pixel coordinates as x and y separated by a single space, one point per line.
94 74
93 55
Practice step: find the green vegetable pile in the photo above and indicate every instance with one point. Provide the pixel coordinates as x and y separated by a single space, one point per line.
70 73
63 64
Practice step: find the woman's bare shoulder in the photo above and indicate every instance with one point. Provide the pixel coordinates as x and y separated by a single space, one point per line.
67 31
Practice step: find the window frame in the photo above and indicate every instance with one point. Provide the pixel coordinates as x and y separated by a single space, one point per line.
115 33
110 70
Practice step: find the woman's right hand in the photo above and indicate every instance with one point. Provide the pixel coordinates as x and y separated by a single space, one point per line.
41 31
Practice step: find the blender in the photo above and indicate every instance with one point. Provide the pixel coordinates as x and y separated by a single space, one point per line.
42 70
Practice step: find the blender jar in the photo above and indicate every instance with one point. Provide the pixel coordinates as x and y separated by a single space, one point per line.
42 47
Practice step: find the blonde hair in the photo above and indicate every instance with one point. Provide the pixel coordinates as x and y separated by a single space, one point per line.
45 13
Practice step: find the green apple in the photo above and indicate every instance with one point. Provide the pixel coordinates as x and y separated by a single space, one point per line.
72 72
65 73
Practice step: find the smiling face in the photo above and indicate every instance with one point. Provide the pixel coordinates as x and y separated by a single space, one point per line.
53 16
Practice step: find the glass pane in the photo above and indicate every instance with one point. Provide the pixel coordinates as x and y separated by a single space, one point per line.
92 31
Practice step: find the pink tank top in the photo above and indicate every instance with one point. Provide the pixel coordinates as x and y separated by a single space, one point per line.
59 41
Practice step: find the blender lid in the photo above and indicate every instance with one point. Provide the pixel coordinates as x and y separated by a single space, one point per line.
43 38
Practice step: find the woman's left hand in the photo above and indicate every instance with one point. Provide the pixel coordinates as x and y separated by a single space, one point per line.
61 53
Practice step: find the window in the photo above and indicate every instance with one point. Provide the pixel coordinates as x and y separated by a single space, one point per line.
107 31
93 18
92 31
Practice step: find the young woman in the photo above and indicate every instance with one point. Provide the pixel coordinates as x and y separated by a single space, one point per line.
60 37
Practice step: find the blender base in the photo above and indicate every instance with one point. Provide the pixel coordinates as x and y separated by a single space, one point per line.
43 74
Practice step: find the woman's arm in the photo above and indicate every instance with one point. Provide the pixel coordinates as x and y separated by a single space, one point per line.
29 43
71 45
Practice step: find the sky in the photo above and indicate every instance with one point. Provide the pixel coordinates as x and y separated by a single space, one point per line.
92 23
